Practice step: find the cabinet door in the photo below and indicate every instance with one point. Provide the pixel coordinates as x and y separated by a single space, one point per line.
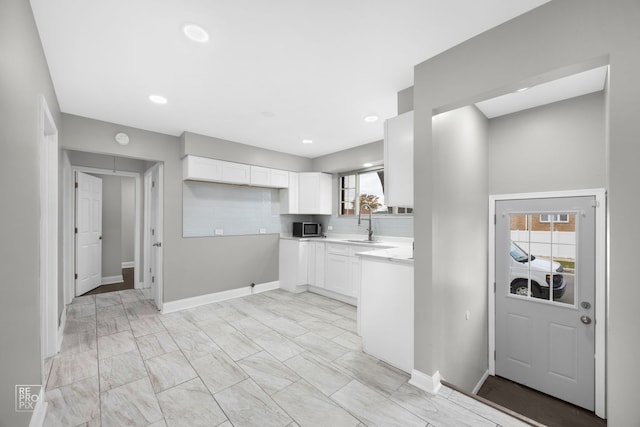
289 196
337 274
354 277
319 262
311 263
201 169
279 178
315 193
236 173
260 176
398 161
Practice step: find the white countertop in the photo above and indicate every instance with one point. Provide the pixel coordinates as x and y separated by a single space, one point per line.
390 248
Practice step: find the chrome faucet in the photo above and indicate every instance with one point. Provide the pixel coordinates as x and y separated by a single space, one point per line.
370 229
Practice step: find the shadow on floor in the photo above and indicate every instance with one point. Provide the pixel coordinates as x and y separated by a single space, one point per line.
538 406
127 276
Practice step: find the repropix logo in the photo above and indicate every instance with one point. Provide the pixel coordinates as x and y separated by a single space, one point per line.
27 397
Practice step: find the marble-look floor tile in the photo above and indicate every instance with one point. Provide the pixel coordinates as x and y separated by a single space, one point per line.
131 295
77 311
251 327
321 314
236 345
196 345
121 369
322 328
348 311
87 299
79 342
146 326
318 372
278 346
108 311
157 344
73 404
367 369
247 405
286 327
227 312
289 312
175 323
81 324
268 372
110 298
373 408
112 325
437 410
349 340
326 303
320 346
169 370
308 407
140 309
190 405
254 310
216 327
346 324
121 342
202 313
68 368
132 404
218 371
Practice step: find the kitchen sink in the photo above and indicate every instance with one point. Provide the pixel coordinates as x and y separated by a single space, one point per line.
365 241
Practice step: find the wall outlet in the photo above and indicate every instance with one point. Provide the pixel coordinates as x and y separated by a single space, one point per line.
219 232
329 227
467 315
263 231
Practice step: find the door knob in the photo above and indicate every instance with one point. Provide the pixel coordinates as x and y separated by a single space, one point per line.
157 245
585 319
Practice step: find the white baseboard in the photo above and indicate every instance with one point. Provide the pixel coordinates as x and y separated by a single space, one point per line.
128 264
182 304
40 411
108 280
478 386
430 384
334 295
63 322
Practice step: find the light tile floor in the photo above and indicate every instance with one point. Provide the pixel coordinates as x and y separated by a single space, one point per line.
270 359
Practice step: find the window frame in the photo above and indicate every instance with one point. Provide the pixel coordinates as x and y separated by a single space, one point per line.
341 202
556 218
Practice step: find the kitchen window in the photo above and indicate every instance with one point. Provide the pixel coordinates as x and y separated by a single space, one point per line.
365 188
546 218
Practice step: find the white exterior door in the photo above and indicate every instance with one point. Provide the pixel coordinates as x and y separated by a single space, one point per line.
88 232
545 296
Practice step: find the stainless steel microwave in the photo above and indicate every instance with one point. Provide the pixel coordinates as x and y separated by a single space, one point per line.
307 229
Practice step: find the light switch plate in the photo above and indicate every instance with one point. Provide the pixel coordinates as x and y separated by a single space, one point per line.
219 232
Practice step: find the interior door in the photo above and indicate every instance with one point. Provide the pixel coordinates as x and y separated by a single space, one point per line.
545 296
155 230
88 232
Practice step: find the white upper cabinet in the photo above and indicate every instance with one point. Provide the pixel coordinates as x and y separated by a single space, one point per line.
398 160
309 193
266 177
315 193
212 170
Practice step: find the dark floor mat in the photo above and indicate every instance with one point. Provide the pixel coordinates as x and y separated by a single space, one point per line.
538 406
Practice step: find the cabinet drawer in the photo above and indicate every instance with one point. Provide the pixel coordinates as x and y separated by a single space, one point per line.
338 249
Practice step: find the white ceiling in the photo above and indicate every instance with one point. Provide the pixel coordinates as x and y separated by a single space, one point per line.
557 90
273 72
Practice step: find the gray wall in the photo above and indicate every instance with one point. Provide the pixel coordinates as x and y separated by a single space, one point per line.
459 242
560 146
351 158
25 76
128 221
111 225
556 39
216 148
192 266
405 100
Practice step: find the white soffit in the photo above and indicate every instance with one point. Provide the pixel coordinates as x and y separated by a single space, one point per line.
546 93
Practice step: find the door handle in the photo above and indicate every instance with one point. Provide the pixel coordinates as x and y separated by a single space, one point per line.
158 244
585 319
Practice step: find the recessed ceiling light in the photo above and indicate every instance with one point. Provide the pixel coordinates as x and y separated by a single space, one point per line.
196 33
522 89
371 119
367 165
307 141
158 99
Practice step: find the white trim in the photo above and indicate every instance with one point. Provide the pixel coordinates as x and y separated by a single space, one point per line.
48 227
429 383
600 276
138 219
63 322
40 411
68 235
128 264
478 386
109 280
182 304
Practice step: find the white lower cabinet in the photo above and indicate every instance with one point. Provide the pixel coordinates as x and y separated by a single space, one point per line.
386 311
337 274
293 265
316 264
